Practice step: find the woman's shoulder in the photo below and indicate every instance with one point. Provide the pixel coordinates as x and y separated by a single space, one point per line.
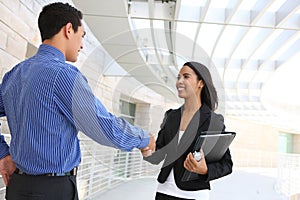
217 116
216 122
169 114
214 115
173 111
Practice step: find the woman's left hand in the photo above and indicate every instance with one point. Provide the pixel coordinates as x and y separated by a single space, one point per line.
193 165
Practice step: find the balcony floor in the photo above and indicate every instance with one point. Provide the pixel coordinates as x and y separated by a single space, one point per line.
240 185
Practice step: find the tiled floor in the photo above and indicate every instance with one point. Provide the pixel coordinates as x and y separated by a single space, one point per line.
240 185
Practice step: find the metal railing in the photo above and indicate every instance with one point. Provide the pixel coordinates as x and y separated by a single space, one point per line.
103 168
289 174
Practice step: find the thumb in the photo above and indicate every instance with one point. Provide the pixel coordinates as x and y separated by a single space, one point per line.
5 177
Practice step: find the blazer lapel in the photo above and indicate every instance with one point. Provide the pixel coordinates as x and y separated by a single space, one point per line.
189 134
193 128
174 127
205 114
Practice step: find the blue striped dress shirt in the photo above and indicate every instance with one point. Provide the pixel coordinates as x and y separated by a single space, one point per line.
47 102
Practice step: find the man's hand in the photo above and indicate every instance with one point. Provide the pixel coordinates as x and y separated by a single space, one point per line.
150 148
7 168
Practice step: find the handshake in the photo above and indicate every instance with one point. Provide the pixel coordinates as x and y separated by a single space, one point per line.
147 151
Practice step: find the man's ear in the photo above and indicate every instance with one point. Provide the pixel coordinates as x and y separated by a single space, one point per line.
68 29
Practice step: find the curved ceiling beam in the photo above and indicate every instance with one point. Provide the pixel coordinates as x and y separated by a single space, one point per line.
258 10
201 19
110 25
286 11
286 40
168 75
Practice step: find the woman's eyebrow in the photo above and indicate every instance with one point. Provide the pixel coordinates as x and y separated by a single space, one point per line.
186 74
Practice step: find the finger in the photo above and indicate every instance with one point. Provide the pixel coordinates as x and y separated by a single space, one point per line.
145 149
186 159
186 166
191 158
153 144
147 153
188 163
189 167
5 179
192 163
153 147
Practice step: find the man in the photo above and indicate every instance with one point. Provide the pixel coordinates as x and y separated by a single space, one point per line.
46 102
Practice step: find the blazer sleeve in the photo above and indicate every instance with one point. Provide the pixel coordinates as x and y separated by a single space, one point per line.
160 152
222 167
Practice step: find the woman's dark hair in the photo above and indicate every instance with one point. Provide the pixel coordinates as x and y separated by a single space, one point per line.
209 94
56 15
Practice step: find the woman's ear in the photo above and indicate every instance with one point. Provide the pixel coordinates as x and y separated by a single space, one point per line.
201 84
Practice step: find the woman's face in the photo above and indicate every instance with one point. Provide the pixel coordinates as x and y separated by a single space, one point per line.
188 84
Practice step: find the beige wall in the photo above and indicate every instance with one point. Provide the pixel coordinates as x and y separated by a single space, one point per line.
255 144
20 38
296 143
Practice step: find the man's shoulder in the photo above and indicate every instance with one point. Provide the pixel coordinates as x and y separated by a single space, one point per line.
69 67
61 68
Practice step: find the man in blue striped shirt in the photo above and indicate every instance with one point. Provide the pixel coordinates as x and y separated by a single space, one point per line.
47 102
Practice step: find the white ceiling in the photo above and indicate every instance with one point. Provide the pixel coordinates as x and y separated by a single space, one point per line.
243 42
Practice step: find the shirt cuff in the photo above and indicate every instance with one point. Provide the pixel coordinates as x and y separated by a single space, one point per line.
4 149
145 141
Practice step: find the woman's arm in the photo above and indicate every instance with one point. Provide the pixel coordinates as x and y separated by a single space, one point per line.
160 152
220 168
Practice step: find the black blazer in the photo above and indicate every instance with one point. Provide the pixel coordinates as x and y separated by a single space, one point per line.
174 154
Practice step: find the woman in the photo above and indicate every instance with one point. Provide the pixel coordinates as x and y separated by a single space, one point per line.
178 134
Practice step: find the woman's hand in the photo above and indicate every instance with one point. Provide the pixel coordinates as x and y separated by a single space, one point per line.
192 165
147 151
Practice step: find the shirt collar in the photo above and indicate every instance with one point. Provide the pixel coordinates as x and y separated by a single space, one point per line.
51 51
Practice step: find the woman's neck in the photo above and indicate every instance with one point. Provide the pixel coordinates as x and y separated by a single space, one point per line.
190 107
192 104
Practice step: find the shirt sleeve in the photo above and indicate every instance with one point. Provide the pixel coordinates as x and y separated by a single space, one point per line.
2 111
4 149
77 101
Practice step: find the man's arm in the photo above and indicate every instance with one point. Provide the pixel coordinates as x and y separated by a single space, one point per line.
2 111
76 100
4 149
7 166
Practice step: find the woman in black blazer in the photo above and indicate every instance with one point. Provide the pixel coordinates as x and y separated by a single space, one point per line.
178 134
